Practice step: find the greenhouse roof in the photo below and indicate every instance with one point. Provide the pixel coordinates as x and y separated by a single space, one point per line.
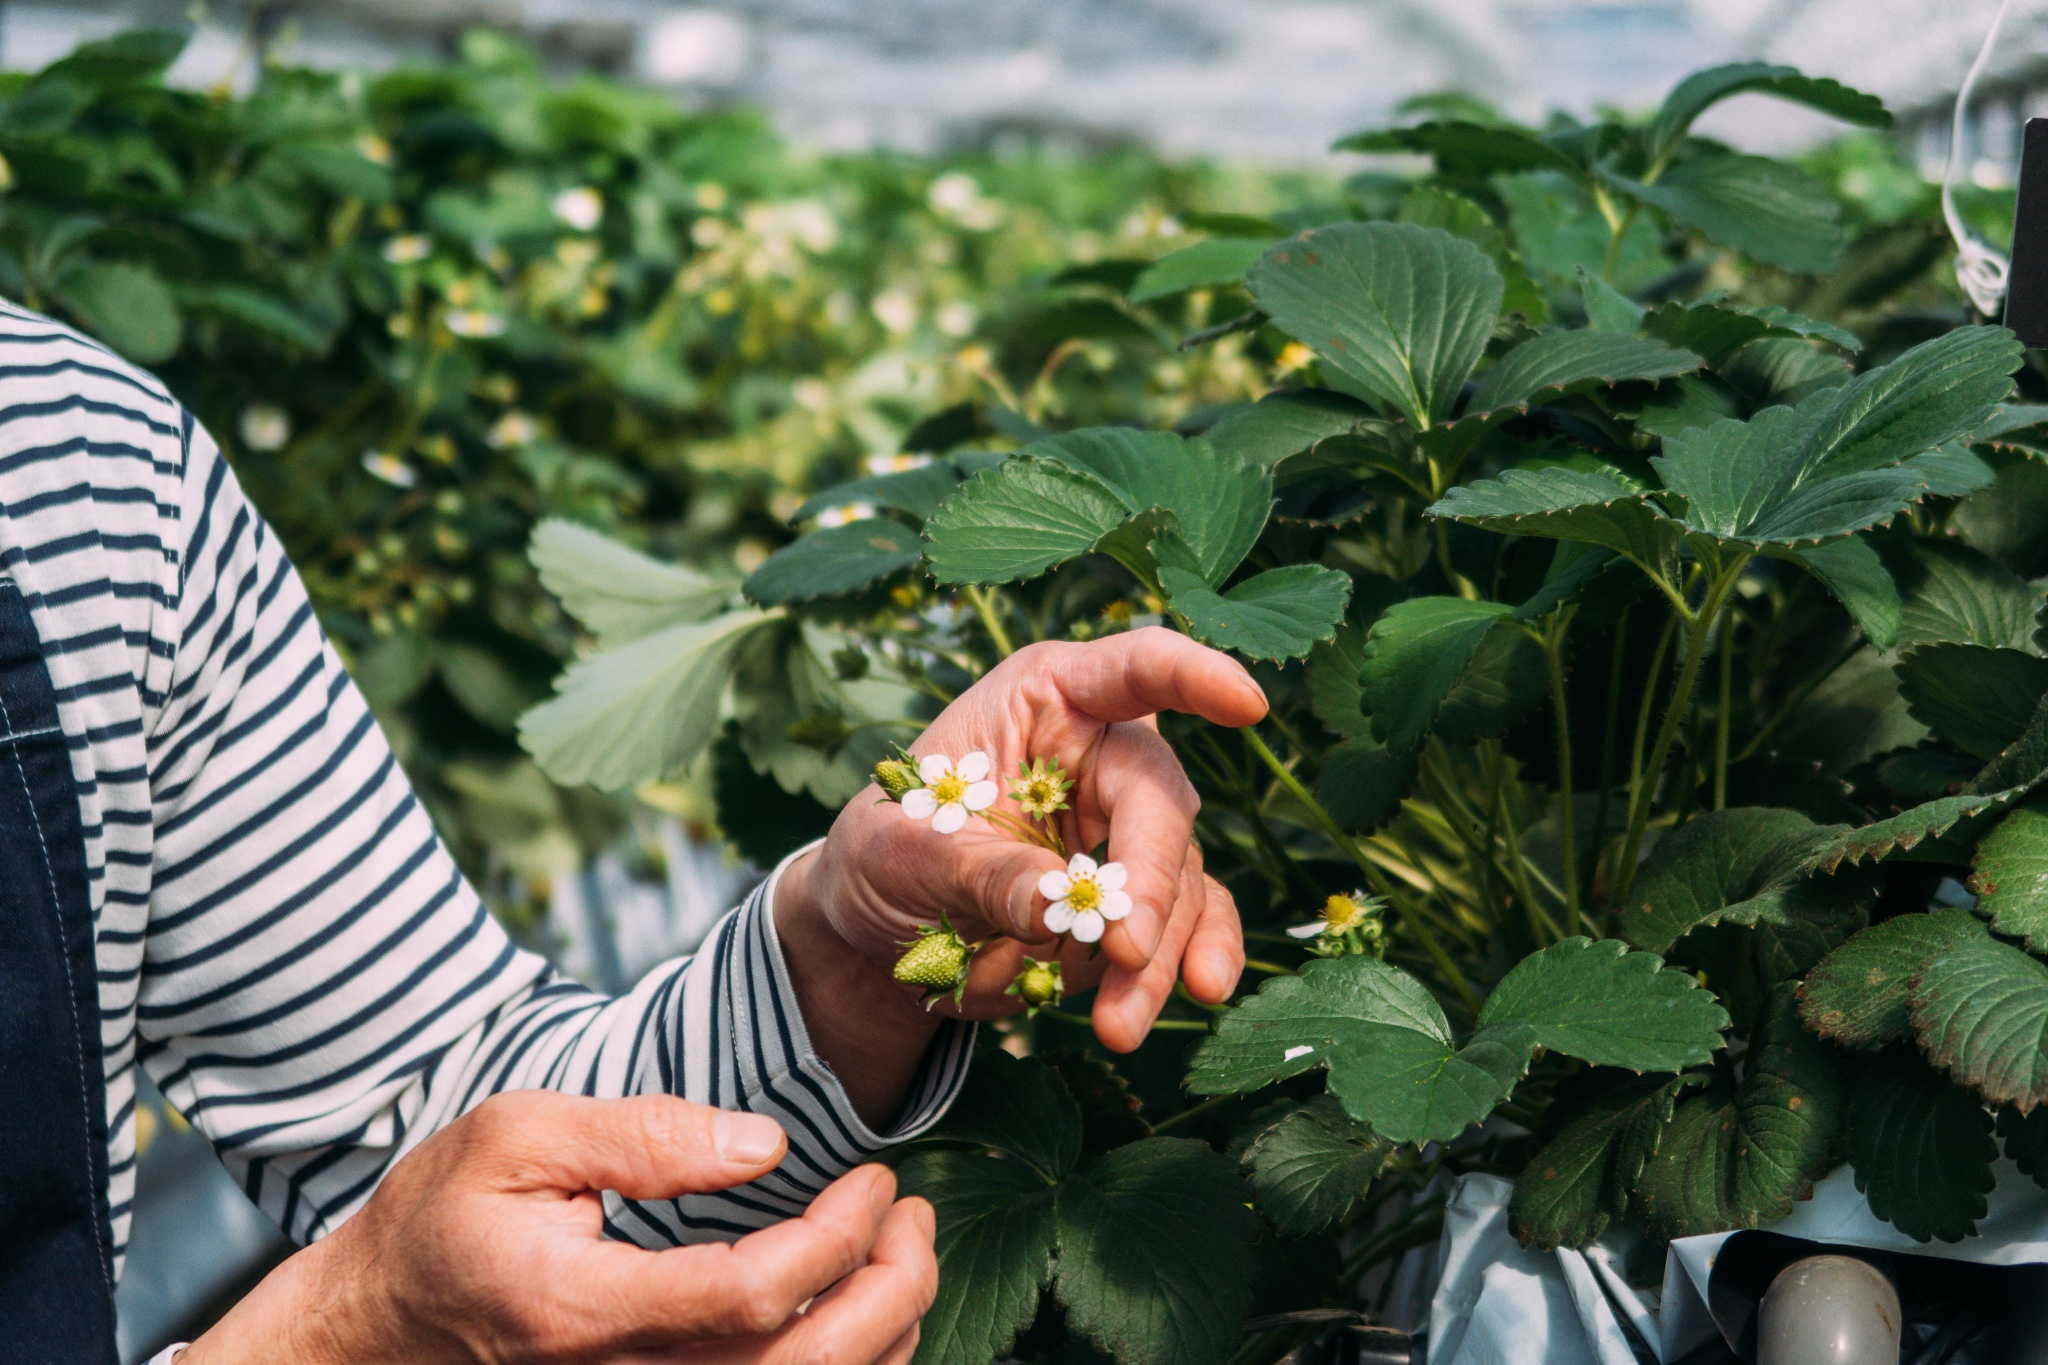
1273 80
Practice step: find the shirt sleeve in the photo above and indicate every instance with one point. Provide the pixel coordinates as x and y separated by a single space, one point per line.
321 989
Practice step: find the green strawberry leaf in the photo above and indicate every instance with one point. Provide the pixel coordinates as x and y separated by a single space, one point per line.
920 492
1980 1012
1702 90
1768 209
1219 499
2011 880
1852 571
1977 698
1560 362
1284 424
1857 994
1581 1179
1921 1146
1934 393
1904 832
1402 311
1017 1105
1414 657
1601 1003
2025 1137
639 712
1206 264
1434 206
616 593
1954 594
1746 865
1155 1255
1018 520
1279 614
1307 1168
1363 782
1564 503
1469 149
1391 1056
1739 1155
834 562
996 1233
1608 309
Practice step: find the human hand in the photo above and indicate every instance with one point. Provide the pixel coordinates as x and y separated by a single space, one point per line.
1091 706
483 1244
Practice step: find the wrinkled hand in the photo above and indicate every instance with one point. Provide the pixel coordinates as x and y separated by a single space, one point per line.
483 1244
881 874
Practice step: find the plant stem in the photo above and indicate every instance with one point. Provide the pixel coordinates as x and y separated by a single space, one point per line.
1412 922
1269 968
1792 702
1727 662
1674 711
1567 816
1518 870
1192 1111
1649 704
1614 244
984 603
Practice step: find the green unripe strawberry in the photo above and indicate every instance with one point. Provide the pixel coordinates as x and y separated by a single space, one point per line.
1037 985
896 777
936 959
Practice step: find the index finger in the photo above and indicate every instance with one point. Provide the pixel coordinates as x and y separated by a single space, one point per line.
1151 807
1139 672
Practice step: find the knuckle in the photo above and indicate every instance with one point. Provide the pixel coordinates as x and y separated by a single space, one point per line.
755 1309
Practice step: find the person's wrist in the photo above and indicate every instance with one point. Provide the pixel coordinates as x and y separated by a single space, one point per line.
819 956
302 1311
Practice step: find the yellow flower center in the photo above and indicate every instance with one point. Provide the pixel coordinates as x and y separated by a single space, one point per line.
1084 894
1040 793
1341 913
949 789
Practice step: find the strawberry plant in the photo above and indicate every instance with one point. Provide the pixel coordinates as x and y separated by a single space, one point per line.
1646 810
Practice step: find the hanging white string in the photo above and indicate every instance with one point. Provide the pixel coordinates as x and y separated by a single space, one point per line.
1980 269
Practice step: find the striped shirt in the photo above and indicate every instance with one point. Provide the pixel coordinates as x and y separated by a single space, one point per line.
282 941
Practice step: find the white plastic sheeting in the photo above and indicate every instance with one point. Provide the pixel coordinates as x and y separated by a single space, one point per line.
1499 1303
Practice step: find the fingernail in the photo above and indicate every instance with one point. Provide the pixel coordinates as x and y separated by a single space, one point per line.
927 1221
1220 969
745 1139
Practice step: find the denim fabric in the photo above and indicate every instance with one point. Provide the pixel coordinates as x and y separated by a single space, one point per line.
56 1261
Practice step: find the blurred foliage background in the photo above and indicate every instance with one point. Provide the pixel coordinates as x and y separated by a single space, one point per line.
424 310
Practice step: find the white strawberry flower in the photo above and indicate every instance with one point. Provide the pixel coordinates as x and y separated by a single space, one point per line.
1086 898
951 791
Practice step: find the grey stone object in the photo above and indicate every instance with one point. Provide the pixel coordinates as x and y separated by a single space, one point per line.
1829 1310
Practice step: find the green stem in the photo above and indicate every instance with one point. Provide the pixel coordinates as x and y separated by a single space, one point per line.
1351 850
1727 680
1792 703
1193 1111
1609 733
1518 870
984 603
1568 816
1614 244
1667 729
1649 704
1269 968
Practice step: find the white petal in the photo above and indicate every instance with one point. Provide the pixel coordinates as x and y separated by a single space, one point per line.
1080 865
919 803
1116 904
980 796
1054 886
951 816
1302 1050
973 767
1312 930
1110 876
932 767
1059 917
1087 927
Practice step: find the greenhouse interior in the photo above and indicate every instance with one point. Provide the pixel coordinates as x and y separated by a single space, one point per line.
1343 682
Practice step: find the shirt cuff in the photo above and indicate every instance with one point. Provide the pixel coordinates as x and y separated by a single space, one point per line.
740 1008
167 1354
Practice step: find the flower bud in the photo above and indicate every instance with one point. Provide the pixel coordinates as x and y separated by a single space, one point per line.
1037 985
896 777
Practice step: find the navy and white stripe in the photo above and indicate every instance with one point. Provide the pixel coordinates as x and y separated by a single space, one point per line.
282 941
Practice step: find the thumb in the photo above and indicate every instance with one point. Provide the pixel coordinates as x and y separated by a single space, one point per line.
996 880
644 1147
